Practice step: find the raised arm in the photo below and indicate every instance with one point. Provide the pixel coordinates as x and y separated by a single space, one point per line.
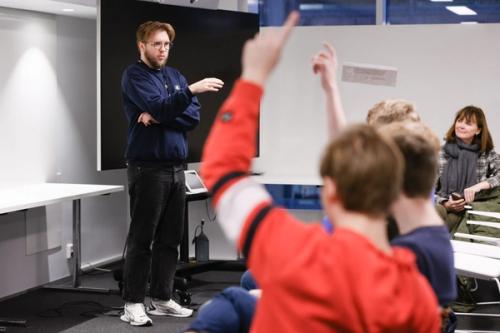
324 63
230 147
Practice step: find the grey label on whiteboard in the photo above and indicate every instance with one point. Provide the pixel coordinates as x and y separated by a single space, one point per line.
369 74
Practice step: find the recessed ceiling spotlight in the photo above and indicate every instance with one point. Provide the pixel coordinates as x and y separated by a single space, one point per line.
461 10
68 10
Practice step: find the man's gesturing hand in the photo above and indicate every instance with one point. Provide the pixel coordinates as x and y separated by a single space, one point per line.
208 84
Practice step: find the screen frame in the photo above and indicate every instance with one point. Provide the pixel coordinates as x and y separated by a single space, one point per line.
112 125
191 190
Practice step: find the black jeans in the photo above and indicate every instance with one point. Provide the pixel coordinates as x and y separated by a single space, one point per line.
157 200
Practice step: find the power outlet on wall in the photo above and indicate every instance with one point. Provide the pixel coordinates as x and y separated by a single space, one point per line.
69 250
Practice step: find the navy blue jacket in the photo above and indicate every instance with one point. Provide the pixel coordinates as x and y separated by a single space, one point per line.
164 94
434 253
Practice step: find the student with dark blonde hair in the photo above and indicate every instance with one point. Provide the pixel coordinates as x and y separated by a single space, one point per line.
420 228
389 111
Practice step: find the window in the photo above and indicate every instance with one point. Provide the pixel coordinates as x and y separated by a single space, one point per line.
318 12
356 12
428 11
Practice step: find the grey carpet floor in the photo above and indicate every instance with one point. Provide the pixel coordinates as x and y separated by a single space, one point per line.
48 311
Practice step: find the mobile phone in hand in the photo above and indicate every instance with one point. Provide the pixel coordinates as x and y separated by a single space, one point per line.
456 196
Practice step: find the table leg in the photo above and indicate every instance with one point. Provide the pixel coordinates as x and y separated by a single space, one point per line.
77 246
184 255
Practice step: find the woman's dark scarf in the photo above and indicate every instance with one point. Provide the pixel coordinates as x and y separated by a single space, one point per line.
460 171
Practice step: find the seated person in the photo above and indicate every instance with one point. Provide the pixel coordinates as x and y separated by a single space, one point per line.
360 282
467 165
421 228
230 311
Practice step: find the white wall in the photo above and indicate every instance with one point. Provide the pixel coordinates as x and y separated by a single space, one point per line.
441 69
48 133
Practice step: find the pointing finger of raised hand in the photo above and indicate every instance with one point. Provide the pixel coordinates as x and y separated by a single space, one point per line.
291 21
329 48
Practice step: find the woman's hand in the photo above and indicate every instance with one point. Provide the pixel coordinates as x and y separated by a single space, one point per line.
454 206
470 192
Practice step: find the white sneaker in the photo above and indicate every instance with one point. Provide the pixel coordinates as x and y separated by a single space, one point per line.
168 308
135 314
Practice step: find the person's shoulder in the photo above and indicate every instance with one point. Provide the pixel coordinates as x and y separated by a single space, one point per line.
492 153
423 238
489 155
171 70
434 231
134 69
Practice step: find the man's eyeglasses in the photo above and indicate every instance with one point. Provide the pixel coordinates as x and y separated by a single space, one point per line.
159 45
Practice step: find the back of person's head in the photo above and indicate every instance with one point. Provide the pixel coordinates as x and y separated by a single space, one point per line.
145 30
366 168
389 111
473 114
420 149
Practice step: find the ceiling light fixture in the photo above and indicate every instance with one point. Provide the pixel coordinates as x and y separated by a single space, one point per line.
68 10
461 10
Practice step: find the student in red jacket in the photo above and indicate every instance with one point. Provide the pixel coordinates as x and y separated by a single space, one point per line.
350 281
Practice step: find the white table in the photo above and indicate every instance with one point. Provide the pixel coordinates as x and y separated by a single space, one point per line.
15 197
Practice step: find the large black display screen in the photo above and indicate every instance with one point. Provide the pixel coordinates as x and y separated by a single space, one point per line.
208 43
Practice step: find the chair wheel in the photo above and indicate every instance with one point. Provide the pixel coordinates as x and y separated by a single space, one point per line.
184 297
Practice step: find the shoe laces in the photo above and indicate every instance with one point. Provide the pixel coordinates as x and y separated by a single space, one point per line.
137 310
174 305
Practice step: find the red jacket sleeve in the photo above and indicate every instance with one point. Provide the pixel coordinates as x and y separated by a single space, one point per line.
230 146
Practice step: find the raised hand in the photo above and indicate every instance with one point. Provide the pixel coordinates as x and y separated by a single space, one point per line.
208 84
325 63
146 119
261 53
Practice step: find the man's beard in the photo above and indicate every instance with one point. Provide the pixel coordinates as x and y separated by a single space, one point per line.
154 62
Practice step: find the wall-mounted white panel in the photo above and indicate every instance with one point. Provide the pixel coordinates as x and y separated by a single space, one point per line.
48 133
441 68
29 101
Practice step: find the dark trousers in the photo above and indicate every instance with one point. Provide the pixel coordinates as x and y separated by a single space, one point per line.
157 199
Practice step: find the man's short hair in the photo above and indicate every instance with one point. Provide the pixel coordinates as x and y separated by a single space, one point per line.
145 30
389 111
420 149
366 168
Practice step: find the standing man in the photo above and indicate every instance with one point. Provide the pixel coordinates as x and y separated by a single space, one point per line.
160 107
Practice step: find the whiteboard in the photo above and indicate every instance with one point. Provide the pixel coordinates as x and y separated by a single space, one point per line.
441 68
